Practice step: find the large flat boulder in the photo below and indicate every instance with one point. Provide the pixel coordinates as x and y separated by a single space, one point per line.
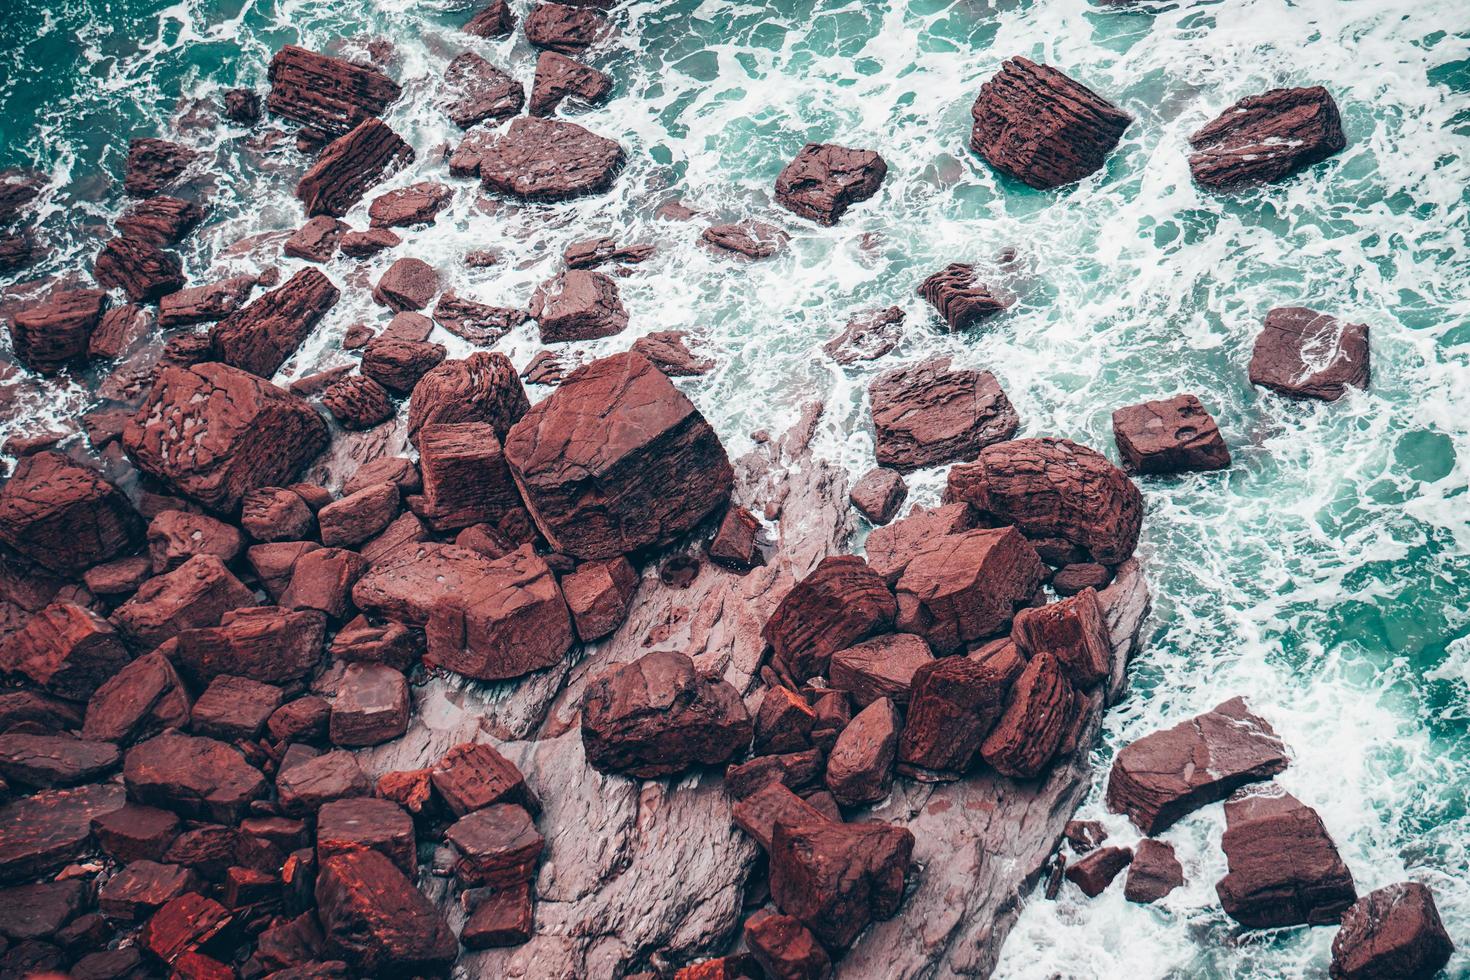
550 160
198 778
48 336
1301 353
407 587
837 878
328 94
42 832
197 593
259 337
267 643
1266 138
824 180
1284 868
962 588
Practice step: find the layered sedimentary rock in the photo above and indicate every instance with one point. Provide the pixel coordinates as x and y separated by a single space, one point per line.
1305 354
578 305
204 304
1266 138
824 180
326 93
928 413
549 160
960 297
153 164
349 166
259 337
962 588
48 336
65 516
416 204
841 602
565 28
160 220
483 387
139 268
1169 436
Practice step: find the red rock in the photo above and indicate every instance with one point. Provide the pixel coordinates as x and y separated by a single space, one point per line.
397 470
479 323
242 106
559 77
772 803
244 433
18 189
1266 138
737 544
160 220
496 846
36 714
309 785
502 917
860 765
752 239
965 587
121 329
1074 631
234 708
39 911
135 833
825 180
141 699
350 165
1054 489
476 91
496 20
141 888
783 723
960 297
785 948
1094 873
474 775
301 720
416 204
371 706
599 460
1084 835
317 240
841 602
196 594
329 94
564 28
1305 354
1035 124
259 337
1284 868
465 478
139 268
669 353
403 533
927 414
1171 773
324 580
354 519
366 244
184 925
891 548
47 337
1174 435
867 336
405 588
953 704
377 921
838 878
1394 933
198 778
175 536
882 667
153 164
549 160
1154 873
1070 580
409 284
578 305
66 650
17 250
267 643
54 760
398 365
65 516
42 832
794 770
208 849
879 494
598 595
658 716
276 514
204 304
1039 711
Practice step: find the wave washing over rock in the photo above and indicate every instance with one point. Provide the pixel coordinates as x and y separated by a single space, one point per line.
714 490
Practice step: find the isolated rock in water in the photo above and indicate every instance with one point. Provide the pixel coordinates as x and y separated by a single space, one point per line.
349 166
878 494
317 240
478 91
617 459
1171 773
496 20
658 716
65 650
868 336
550 160
1154 873
1394 933
483 387
416 204
882 667
215 432
141 699
669 353
65 516
953 703
204 304
261 336
959 296
160 220
376 920
1037 125
46 337
752 239
578 305
196 594
366 244
465 479
1284 868
927 414
839 877
17 250
325 93
1265 138
1040 710
479 323
592 252
18 188
1305 354
963 588
841 602
358 403
242 106
825 180
153 164
198 778
1169 436
860 765
175 536
598 594
1094 873
139 268
564 28
558 77
1075 631
1054 490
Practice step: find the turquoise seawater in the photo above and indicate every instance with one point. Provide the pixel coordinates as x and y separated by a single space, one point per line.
1325 575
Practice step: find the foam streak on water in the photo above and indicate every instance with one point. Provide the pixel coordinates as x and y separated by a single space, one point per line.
1326 575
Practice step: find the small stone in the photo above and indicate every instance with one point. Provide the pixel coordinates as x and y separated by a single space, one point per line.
879 494
409 284
860 765
354 519
497 846
500 918
785 948
736 544
135 833
1154 873
578 305
175 536
276 514
1094 873
783 723
371 706
474 775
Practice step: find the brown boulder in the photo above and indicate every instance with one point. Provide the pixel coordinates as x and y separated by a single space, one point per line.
783 723
45 338
890 548
135 833
559 77
965 587
598 595
825 180
323 579
276 514
302 720
409 284
142 699
878 494
496 20
317 240
367 824
354 519
483 387
838 878
198 778
498 917
860 765
1284 868
349 166
953 703
1266 138
549 160
671 355
867 336
141 888
139 268
479 323
328 94
785 948
1037 125
474 775
1154 873
1040 710
841 602
927 414
175 536
959 296
417 204
182 925
882 667
196 594
406 587
153 164
770 804
1305 354
565 28
366 244
737 541
45 761
578 305
397 364
377 921
234 708
1169 436
1070 580
66 650
658 716
160 220
496 846
397 470
1394 933
1094 873
268 643
204 304
465 479
371 706
42 832
65 516
309 785
476 91
1074 631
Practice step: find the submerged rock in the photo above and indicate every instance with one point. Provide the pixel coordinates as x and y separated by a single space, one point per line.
1305 354
751 239
578 305
1266 138
867 336
417 204
825 180
153 164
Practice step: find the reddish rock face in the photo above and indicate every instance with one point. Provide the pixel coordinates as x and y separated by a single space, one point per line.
1074 631
122 328
879 494
841 602
198 593
598 595
139 268
376 825
276 514
658 716
1154 873
135 833
45 761
825 180
496 20
1394 933
64 516
1094 873
1169 436
153 164
1070 580
366 244
508 620
737 542
417 204
376 920
891 548
175 536
671 355
182 925
578 305
497 846
882 667
371 706
308 785
479 323
837 878
354 519
860 765
409 284
499 917
325 93
267 643
483 387
160 220
751 239
1054 490
476 91
215 432
397 470
398 365
242 106
953 703
261 336
1284 869
317 240
565 28
617 460
959 297
473 776
1266 138
550 160
323 579
773 803
465 478
1305 354
406 587
927 414
783 723
42 832
204 304
199 778
1037 125
559 77
1171 773
1040 709
139 700
49 336
234 708
349 166
965 587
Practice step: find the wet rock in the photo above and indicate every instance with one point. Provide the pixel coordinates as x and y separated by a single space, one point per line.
1284 868
47 337
160 220
17 251
658 716
961 299
317 240
474 775
496 20
349 166
1173 435
1154 873
953 704
1394 933
398 365
175 536
481 388
66 650
549 160
323 580
406 587
1171 773
1037 125
234 708
196 594
153 164
242 433
377 921
879 494
135 833
837 878
578 305
328 94
358 403
752 239
42 832
736 544
308 785
267 643
18 188
183 925
141 888
39 911
65 516
860 766
598 594
198 778
242 106
783 723
477 91
354 519
479 323
882 667
597 461
965 587
1054 489
559 77
46 761
500 918
564 28
276 514
140 699
927 414
1070 580
302 720
1094 873
1040 710
669 353
366 244
867 336
825 180
417 204
371 706
142 270
1305 354
593 252
204 304
841 602
496 846
1084 835
1074 631
1266 138
405 531
785 948
367 824
409 284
